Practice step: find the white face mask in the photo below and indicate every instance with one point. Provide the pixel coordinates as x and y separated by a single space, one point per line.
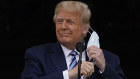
94 40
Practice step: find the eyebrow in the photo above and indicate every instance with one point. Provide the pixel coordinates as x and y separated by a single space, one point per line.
59 17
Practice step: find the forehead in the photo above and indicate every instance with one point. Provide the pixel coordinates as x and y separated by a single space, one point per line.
62 14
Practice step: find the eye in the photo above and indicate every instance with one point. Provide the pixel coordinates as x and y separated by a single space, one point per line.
70 22
59 21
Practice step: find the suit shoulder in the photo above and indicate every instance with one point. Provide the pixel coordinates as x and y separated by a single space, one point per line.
43 48
108 53
110 57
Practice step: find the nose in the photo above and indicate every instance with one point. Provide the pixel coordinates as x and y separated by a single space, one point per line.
64 25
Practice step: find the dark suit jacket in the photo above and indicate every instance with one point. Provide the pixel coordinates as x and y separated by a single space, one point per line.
48 62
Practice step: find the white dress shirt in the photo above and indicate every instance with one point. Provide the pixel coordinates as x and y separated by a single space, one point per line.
68 60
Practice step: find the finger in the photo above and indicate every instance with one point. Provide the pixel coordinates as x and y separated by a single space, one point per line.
93 48
93 56
91 68
90 47
91 51
83 72
88 73
88 69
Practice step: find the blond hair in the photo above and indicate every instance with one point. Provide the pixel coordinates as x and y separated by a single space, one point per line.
74 6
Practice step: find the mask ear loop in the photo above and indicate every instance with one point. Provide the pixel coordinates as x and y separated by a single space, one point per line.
91 30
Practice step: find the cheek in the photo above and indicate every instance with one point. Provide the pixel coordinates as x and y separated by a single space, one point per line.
77 35
78 32
57 32
57 29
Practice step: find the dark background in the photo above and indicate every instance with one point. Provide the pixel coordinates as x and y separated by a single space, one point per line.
26 23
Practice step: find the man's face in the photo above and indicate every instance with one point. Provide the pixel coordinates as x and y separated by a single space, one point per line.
69 28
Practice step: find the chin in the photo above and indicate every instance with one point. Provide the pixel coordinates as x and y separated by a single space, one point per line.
65 41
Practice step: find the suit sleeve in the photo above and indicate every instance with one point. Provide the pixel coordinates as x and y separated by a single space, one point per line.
33 69
113 71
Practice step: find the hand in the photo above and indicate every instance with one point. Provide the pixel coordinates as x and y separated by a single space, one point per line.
97 54
87 68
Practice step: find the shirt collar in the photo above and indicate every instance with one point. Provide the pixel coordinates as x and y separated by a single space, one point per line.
67 51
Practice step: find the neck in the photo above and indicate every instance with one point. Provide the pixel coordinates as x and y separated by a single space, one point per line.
69 46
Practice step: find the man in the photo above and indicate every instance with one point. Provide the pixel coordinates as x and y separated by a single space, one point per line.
53 61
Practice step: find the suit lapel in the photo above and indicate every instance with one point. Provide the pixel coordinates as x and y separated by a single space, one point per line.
58 58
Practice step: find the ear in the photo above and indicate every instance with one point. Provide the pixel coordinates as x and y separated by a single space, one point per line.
85 29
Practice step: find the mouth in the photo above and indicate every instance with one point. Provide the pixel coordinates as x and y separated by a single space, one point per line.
65 34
